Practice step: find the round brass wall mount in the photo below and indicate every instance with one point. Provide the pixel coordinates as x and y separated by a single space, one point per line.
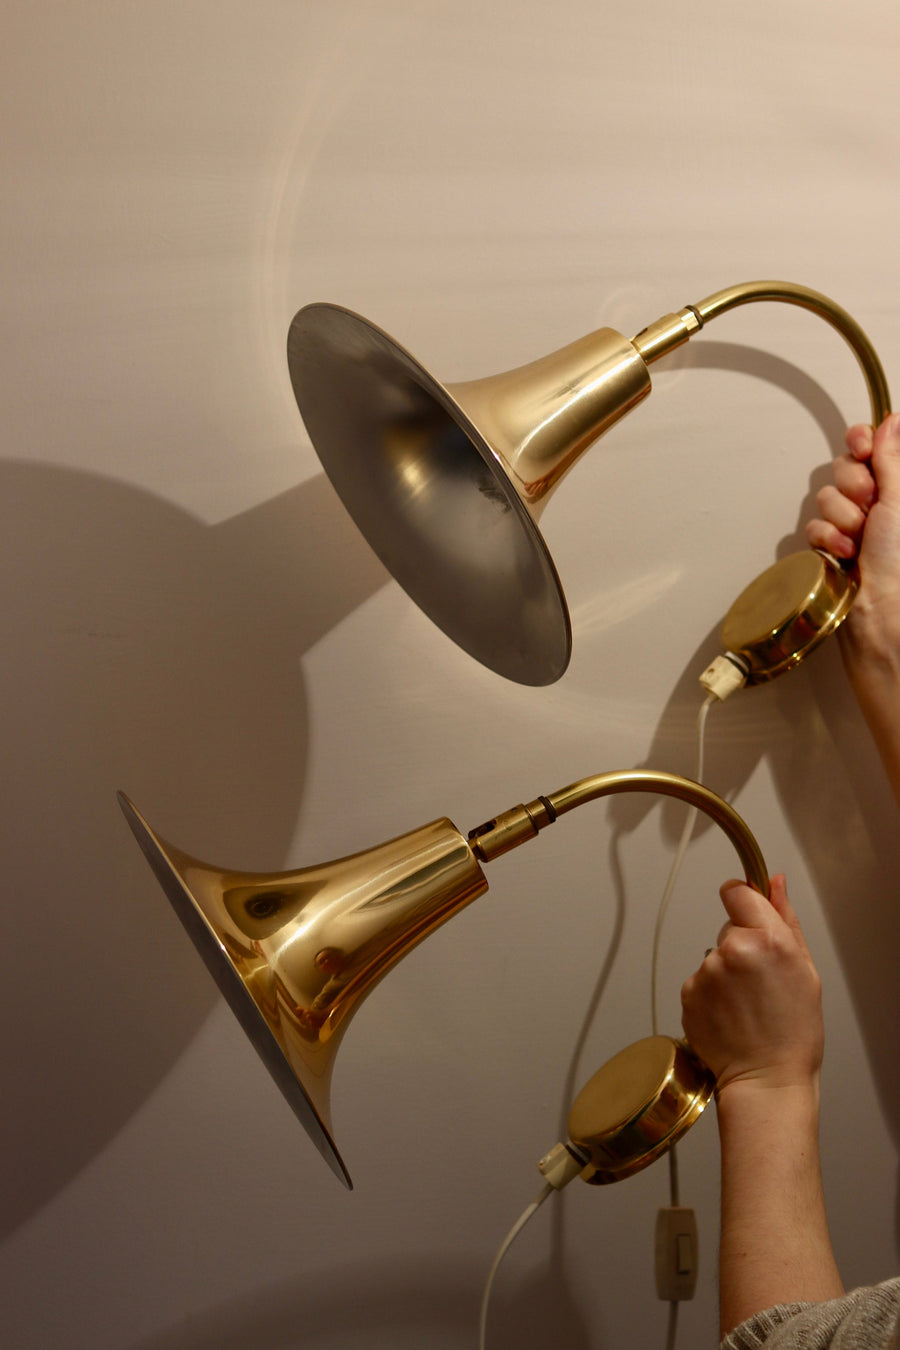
788 611
637 1106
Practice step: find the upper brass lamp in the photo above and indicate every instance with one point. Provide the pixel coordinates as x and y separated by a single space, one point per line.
447 482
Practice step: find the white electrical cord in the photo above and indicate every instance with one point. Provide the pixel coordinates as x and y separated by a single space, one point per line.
673 1326
687 831
504 1248
673 1164
677 861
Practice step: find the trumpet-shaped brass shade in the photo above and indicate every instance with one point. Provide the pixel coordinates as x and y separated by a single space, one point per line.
442 479
447 481
295 952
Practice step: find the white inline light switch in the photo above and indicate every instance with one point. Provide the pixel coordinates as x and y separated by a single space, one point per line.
676 1254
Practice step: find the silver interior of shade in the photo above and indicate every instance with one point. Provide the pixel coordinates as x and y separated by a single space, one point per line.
429 494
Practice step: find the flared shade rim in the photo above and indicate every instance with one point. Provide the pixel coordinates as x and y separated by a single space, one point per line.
430 494
232 987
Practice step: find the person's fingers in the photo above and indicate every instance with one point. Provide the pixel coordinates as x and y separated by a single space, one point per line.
837 509
822 534
843 509
868 473
778 899
854 479
745 907
859 440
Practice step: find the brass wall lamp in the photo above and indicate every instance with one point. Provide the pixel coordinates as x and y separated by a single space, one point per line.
447 482
295 953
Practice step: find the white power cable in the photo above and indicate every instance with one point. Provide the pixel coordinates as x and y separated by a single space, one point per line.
672 1331
677 861
673 1165
504 1248
687 831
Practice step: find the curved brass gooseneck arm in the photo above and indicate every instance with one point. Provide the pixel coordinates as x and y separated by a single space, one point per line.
674 329
522 823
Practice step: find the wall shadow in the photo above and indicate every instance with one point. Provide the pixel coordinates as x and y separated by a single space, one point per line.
143 650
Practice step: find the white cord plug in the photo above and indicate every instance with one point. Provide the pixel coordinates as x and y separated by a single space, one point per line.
725 675
561 1164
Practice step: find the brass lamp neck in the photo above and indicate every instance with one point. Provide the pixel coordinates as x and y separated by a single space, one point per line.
517 826
670 332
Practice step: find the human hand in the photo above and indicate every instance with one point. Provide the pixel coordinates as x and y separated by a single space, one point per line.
753 1010
860 517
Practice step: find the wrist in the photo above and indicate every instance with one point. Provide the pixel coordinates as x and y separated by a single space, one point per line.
871 652
764 1099
871 637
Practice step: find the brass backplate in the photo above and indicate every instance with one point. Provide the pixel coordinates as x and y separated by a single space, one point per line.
788 611
637 1106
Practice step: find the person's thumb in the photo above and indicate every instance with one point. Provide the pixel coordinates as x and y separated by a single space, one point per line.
885 461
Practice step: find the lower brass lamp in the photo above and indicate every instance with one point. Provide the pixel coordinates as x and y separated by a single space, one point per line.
295 953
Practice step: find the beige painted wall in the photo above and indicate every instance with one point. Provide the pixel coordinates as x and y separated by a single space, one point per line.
188 614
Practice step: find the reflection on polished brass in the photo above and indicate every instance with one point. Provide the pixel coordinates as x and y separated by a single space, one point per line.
447 482
295 953
637 1106
788 611
542 416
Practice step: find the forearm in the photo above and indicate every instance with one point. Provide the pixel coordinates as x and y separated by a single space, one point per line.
860 518
871 652
775 1245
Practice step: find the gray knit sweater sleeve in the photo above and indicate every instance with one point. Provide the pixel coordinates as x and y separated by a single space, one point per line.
866 1319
